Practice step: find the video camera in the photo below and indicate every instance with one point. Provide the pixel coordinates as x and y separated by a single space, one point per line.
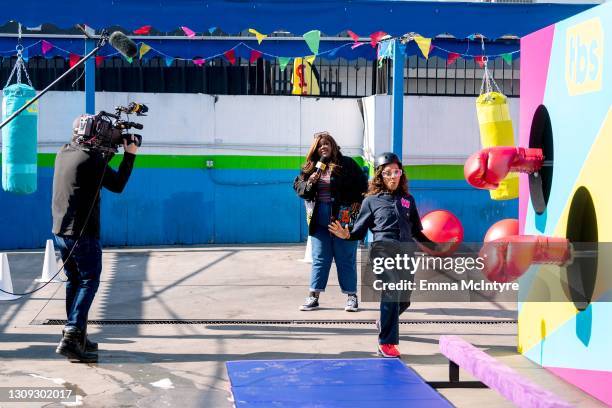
107 131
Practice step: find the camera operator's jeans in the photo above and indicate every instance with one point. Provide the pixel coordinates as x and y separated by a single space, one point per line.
83 270
327 247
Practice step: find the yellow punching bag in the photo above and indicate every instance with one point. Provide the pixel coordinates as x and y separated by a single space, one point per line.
304 79
496 130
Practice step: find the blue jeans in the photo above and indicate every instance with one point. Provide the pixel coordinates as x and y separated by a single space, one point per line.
327 247
83 270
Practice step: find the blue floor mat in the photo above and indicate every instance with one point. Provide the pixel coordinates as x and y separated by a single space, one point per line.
370 382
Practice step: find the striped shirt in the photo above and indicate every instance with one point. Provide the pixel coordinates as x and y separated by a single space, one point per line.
324 186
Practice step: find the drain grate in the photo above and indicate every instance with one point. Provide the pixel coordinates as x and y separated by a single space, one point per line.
58 322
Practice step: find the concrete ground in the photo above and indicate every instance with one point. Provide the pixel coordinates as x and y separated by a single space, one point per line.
233 287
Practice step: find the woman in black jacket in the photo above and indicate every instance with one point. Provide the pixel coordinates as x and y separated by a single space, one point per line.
390 212
333 186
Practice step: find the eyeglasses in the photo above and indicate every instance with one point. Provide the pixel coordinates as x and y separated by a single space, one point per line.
392 173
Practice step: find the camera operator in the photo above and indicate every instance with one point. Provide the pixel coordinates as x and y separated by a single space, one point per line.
81 170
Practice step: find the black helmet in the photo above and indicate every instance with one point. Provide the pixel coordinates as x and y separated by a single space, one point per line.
386 158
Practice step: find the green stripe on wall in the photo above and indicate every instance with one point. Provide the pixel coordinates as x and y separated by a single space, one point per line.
416 172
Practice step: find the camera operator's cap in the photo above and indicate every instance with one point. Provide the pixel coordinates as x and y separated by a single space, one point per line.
387 158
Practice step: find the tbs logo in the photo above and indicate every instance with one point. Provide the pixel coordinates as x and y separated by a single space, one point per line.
584 52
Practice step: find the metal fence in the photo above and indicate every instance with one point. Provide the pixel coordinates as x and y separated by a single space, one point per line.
336 78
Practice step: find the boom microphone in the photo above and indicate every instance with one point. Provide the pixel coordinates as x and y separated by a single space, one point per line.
123 44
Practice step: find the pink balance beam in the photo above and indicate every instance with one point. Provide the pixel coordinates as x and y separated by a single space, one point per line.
498 376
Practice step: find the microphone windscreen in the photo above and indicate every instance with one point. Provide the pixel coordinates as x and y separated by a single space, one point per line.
123 44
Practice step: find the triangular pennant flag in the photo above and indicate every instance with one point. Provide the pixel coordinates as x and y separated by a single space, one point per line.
74 59
472 37
128 59
89 30
255 55
385 49
357 44
376 37
231 56
507 58
188 31
283 61
25 54
99 60
479 60
313 38
452 57
423 44
212 29
310 59
199 61
143 30
354 36
169 61
46 46
260 37
144 48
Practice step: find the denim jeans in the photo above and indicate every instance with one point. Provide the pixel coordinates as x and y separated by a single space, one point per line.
327 247
83 270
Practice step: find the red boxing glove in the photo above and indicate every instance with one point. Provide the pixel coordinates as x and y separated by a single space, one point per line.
486 168
508 258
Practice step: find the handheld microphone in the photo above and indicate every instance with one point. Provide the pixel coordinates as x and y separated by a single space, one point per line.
123 44
322 164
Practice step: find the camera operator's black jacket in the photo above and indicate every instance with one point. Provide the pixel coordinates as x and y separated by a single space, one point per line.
76 180
348 184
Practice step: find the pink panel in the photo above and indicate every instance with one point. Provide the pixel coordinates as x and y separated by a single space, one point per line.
535 57
596 383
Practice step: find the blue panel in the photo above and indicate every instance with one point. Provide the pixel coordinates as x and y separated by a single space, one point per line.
329 383
193 206
363 17
474 208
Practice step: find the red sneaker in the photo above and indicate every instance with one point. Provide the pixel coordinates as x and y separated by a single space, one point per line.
388 350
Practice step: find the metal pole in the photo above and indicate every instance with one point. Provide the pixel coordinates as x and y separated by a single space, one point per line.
90 79
398 99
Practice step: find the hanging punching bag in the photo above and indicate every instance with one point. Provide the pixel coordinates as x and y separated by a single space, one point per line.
19 140
496 130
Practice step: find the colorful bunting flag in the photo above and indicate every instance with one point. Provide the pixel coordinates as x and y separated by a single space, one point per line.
313 38
212 29
452 57
357 44
283 61
260 37
385 49
143 30
230 55
188 31
99 60
310 59
376 37
507 58
255 55
144 48
472 37
46 46
424 45
74 59
169 61
354 36
199 61
129 59
480 60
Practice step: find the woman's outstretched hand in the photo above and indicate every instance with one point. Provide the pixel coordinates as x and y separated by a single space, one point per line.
337 229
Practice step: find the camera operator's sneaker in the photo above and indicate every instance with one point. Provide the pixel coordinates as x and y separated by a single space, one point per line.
351 304
388 350
311 303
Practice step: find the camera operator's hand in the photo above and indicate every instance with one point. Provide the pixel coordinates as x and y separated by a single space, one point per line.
130 148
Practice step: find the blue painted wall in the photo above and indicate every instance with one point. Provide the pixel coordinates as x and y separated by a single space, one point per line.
198 206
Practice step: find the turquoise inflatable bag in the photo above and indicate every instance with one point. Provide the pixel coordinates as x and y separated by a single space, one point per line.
19 140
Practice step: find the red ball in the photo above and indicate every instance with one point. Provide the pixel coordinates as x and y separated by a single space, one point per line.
502 229
443 226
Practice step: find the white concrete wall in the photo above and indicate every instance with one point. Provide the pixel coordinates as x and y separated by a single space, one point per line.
437 129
